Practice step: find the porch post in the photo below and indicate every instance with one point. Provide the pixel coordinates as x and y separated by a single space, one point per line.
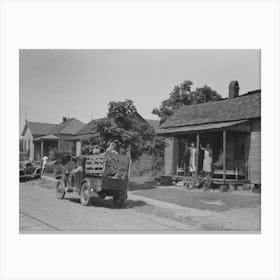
224 154
197 146
42 148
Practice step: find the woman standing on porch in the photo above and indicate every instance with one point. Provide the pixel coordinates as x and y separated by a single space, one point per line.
193 159
207 162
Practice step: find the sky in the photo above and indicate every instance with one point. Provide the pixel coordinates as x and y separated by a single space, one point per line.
81 83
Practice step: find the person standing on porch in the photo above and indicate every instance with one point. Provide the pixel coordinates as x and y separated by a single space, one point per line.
200 158
186 159
193 159
207 162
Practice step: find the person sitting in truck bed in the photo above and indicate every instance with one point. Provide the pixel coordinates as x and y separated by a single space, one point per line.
112 148
80 162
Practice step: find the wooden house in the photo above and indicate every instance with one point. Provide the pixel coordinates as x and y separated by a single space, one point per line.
231 126
38 138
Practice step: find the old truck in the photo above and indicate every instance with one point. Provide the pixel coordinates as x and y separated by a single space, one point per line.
104 175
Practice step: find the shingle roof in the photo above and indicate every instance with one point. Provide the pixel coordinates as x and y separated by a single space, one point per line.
246 106
38 129
89 127
71 126
153 123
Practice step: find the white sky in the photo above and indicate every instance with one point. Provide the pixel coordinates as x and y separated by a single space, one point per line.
80 83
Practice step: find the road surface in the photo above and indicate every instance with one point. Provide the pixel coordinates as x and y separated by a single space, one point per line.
40 210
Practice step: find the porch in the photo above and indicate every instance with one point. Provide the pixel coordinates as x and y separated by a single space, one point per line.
43 144
230 144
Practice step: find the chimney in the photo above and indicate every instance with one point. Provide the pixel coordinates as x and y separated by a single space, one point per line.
64 119
233 89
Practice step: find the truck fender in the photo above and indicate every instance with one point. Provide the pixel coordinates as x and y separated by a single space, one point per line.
94 189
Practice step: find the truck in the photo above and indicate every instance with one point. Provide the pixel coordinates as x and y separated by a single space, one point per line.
104 175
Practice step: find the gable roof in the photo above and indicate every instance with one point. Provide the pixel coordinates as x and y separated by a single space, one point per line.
243 107
153 123
90 127
71 126
37 128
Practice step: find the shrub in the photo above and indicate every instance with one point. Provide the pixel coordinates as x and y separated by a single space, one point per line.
49 168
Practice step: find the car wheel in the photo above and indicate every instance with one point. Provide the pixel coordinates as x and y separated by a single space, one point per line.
85 197
60 190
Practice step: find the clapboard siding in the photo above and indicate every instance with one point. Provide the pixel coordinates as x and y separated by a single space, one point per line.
175 154
254 159
168 156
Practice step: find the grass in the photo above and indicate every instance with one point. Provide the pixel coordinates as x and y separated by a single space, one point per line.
213 201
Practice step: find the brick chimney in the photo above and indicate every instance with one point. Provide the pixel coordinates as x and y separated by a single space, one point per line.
233 89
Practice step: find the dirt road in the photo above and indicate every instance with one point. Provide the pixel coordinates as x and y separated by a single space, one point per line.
40 211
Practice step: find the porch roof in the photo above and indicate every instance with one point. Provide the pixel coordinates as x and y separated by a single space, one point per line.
203 127
47 137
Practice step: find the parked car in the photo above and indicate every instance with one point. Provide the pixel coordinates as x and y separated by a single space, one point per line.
29 170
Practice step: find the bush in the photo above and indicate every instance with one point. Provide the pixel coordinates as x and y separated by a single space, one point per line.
58 169
49 168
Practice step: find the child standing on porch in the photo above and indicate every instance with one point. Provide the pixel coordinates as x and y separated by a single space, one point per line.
207 162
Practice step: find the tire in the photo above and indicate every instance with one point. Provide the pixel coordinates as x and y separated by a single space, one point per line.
224 188
232 188
60 190
118 200
85 194
256 188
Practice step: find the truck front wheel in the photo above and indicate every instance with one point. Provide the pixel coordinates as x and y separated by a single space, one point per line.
60 190
85 197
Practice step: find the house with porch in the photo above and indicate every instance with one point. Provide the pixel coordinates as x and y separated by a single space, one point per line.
231 126
38 138
31 131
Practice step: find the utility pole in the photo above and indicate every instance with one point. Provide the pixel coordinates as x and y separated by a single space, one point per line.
25 112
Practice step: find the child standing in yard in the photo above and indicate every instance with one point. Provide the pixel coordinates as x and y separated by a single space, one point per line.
44 162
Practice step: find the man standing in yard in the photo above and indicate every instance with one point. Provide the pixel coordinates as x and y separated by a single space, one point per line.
44 162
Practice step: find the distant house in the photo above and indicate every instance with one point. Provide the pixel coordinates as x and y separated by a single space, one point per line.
31 131
38 138
232 125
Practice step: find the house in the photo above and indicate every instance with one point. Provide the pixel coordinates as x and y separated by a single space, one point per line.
231 125
38 138
31 131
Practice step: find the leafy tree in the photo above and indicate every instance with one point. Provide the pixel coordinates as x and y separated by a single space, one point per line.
183 95
123 127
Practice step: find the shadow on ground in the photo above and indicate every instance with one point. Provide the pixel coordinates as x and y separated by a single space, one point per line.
108 203
134 186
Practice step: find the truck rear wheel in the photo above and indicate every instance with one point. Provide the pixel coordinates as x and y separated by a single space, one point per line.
59 190
85 197
118 200
224 188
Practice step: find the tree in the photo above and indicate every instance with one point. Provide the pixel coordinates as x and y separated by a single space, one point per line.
182 95
123 127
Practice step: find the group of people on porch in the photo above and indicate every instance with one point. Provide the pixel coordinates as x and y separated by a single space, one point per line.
195 160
